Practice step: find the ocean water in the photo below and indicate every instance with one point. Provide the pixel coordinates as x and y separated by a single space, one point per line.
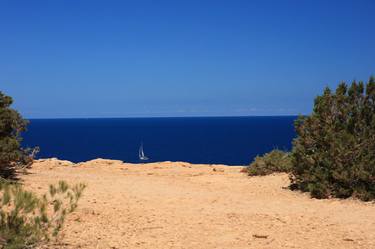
212 140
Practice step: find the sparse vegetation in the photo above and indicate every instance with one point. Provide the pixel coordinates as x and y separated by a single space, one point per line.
334 153
274 161
27 220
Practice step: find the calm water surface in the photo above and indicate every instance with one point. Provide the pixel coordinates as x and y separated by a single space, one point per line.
227 140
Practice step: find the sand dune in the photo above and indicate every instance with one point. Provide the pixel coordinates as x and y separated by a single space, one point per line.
181 205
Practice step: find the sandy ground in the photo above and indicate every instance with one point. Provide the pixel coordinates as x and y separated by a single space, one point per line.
180 205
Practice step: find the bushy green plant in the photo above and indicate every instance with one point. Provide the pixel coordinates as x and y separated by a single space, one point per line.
334 152
272 162
11 126
27 220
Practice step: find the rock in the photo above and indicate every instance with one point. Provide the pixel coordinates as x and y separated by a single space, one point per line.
260 236
217 170
54 162
104 161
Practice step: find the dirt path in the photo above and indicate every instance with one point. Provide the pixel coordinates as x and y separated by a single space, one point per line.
179 205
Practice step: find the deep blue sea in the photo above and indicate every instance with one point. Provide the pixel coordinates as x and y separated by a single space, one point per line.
212 140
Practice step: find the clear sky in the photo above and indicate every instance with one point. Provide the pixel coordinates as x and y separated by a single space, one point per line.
108 58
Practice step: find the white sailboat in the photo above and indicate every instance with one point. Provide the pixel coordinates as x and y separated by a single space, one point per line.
141 154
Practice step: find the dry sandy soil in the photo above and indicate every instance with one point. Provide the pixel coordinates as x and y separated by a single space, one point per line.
180 205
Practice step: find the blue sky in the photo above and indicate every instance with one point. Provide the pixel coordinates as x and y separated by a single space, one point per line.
61 59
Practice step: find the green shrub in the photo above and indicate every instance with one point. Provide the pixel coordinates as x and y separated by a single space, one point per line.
11 126
27 220
274 161
334 152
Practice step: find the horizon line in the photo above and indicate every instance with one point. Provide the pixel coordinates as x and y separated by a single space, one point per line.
140 117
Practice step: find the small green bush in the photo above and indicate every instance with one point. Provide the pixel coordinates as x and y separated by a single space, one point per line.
334 152
274 161
27 220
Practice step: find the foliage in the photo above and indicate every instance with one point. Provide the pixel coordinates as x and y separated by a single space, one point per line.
274 161
11 125
334 152
27 220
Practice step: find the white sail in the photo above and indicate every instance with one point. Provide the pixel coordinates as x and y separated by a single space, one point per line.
141 153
